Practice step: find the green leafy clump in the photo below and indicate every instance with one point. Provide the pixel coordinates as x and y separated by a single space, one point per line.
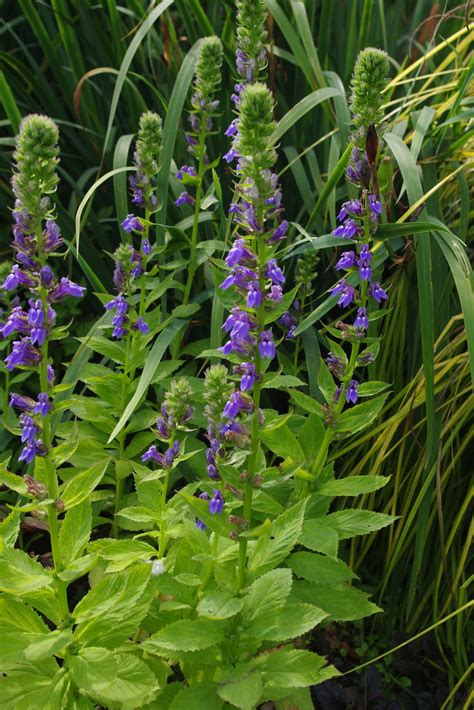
148 146
208 68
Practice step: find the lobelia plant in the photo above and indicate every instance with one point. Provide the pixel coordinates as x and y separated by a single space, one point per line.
204 593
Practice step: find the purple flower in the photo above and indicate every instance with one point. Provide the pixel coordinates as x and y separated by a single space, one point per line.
31 450
137 198
24 404
43 406
131 223
375 208
65 288
275 294
345 292
199 524
16 278
171 454
377 292
17 322
362 321
347 260
337 394
186 170
46 276
279 232
254 295
184 199
247 370
28 429
266 347
23 354
152 454
349 230
51 375
216 504
51 236
146 247
232 129
141 326
231 155
238 253
351 391
237 403
352 207
274 272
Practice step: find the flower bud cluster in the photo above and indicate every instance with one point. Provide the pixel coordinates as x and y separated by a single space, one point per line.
145 158
204 107
175 414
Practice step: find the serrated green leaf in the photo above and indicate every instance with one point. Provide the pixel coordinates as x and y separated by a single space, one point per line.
349 522
320 569
318 536
75 532
197 697
187 635
219 605
292 668
360 416
268 593
81 486
342 602
274 547
283 442
285 623
241 686
30 691
48 645
20 574
352 486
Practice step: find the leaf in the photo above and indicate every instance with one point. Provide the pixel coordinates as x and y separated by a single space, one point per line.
301 109
153 360
241 686
108 348
349 522
311 436
81 486
48 645
267 593
31 691
307 403
276 381
186 635
360 416
292 668
9 529
352 485
20 574
75 532
326 382
114 608
318 536
122 553
282 442
286 622
368 389
341 602
12 481
196 697
320 569
219 605
217 523
272 549
120 679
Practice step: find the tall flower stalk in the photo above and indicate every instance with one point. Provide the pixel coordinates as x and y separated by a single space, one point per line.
131 265
204 106
254 275
358 219
36 237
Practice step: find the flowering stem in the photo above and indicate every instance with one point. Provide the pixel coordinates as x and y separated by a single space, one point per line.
164 492
51 475
120 483
197 208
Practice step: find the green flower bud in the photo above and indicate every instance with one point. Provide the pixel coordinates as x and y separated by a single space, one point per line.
36 158
256 126
178 399
208 72
306 271
251 38
217 391
368 81
149 143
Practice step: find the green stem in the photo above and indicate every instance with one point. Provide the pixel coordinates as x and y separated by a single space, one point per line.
164 492
197 208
